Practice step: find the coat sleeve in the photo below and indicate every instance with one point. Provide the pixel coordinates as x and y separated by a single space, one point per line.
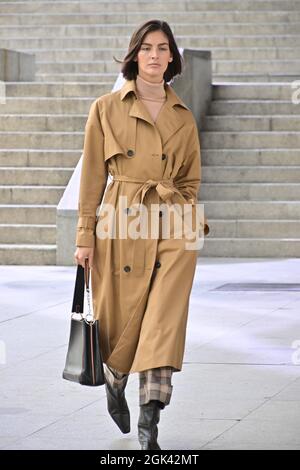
188 178
93 178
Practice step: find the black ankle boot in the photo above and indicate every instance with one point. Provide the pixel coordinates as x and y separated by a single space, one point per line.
147 425
117 405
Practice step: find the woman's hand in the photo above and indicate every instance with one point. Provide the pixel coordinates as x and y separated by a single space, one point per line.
83 252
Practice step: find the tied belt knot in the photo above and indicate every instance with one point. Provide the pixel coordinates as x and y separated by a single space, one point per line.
165 189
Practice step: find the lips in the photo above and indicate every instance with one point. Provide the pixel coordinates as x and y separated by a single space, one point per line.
157 65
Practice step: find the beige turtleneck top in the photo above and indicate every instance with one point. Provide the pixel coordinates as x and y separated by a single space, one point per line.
153 95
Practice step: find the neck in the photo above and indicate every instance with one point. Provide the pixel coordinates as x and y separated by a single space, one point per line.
150 90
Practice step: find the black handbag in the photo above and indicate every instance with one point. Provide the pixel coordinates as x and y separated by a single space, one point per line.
84 361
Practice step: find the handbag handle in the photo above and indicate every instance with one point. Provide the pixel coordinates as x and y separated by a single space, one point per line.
82 279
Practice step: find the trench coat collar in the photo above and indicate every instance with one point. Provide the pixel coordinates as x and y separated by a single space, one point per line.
168 120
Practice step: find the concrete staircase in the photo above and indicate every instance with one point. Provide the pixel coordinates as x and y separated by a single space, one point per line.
250 145
41 135
251 171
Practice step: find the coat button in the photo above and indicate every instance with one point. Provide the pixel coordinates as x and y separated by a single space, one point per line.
157 264
164 156
160 213
127 269
130 153
127 210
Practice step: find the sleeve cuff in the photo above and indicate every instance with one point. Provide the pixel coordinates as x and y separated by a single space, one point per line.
86 222
85 237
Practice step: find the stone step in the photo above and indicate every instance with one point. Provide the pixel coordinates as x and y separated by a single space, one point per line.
252 123
28 213
12 254
219 66
250 139
251 191
76 90
26 233
81 67
35 176
218 53
39 105
24 254
39 158
216 174
226 29
187 41
248 174
46 234
263 210
116 18
218 139
253 91
42 122
258 66
217 78
266 78
74 6
264 157
75 77
224 228
255 53
251 247
69 158
30 195
37 140
247 107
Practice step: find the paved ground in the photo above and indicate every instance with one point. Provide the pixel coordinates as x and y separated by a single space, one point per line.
239 387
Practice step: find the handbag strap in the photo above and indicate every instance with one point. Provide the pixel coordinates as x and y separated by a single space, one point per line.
82 277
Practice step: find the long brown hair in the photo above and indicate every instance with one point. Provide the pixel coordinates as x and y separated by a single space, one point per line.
129 68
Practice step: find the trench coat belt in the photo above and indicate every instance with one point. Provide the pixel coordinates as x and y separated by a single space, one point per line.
165 189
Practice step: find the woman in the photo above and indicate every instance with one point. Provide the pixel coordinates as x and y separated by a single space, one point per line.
146 139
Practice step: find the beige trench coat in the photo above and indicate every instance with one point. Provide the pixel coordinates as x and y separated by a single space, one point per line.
141 287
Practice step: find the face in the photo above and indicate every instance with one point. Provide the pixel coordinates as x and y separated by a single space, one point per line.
154 49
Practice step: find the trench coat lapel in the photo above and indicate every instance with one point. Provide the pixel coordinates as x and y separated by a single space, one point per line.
168 121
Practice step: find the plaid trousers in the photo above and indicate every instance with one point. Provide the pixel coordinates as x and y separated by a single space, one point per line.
154 384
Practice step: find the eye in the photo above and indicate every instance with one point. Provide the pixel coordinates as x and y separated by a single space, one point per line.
161 48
